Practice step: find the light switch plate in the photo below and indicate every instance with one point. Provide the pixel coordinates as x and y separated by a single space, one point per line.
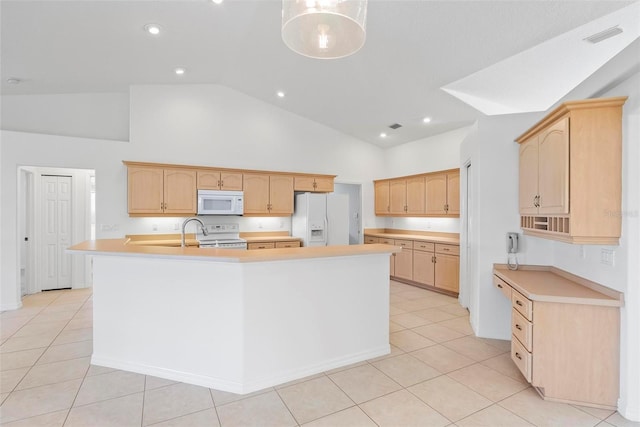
607 257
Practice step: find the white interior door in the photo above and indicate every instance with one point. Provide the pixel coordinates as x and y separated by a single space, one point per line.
56 228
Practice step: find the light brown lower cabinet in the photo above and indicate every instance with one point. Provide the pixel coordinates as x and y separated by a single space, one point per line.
404 260
566 340
434 265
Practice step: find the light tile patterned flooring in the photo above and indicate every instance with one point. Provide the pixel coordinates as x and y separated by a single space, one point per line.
438 374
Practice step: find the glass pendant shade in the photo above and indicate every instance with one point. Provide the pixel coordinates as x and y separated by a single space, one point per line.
324 29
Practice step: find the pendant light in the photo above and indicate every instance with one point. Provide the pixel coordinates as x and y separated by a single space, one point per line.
324 29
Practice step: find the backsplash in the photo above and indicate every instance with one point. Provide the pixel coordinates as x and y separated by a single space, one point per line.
443 225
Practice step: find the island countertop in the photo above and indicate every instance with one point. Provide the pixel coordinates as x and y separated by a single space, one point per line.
119 247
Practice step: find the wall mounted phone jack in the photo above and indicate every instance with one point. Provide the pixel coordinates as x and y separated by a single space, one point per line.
512 251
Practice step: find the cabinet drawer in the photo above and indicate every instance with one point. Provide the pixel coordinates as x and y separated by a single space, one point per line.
386 241
522 329
269 245
424 246
371 239
522 304
295 244
502 286
447 249
521 357
406 244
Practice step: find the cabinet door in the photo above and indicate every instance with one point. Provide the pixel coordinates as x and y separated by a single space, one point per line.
392 258
180 194
397 196
231 181
436 193
423 267
447 272
382 197
145 190
415 196
304 183
324 184
281 195
256 193
553 169
404 264
208 180
453 193
528 176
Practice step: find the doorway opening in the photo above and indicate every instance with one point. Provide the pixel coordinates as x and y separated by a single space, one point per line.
56 209
354 192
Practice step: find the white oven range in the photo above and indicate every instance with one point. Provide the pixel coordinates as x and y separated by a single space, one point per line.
224 236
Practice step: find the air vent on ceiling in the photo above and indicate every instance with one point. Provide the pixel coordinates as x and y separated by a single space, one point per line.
603 35
395 126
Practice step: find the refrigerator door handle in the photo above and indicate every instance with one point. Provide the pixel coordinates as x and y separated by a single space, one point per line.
326 231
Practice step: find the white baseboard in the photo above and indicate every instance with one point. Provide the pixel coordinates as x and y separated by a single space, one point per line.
11 306
237 386
630 412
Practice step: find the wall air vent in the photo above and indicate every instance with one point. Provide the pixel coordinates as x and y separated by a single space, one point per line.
603 35
395 126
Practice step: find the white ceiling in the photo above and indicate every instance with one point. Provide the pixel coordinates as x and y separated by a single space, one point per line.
413 48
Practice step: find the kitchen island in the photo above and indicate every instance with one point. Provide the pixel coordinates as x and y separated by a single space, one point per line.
237 320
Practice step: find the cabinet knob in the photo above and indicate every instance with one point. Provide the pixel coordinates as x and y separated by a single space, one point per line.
499 285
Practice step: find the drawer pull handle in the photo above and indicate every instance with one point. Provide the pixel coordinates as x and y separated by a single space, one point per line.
499 285
518 355
519 303
518 327
445 249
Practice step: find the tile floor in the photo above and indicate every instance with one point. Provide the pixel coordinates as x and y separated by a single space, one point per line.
438 374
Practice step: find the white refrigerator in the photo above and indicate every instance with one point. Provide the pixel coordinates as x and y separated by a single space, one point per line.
321 219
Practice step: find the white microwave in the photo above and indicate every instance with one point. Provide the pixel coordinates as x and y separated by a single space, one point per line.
215 202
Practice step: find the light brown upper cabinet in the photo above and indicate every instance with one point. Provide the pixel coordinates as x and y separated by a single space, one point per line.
431 194
161 191
571 173
382 201
443 193
407 196
266 194
315 184
219 180
544 171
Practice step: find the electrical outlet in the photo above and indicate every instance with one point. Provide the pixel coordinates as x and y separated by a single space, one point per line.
154 227
607 257
583 252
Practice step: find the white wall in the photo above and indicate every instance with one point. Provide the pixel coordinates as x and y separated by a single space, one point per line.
88 115
493 154
194 125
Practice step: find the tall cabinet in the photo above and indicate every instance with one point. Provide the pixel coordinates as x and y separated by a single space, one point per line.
571 173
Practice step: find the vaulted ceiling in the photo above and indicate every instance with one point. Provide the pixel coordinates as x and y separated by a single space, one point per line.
412 50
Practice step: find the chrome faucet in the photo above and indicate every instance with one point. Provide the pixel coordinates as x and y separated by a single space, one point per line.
184 225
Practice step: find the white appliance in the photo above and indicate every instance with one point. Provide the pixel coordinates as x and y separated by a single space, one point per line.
321 219
224 236
216 202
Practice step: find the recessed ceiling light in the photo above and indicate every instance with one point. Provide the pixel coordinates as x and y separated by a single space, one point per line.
426 120
153 29
180 71
383 135
13 81
217 1
280 94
